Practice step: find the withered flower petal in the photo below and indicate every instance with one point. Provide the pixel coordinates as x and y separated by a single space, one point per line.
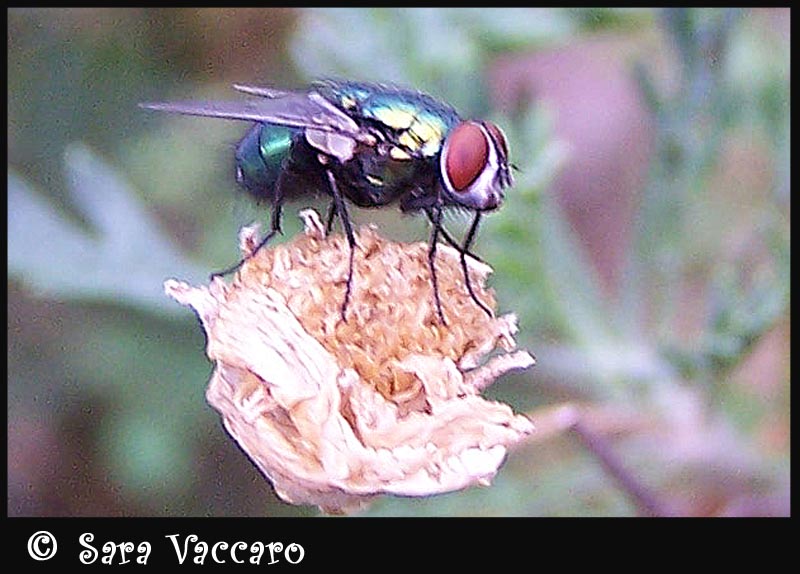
335 413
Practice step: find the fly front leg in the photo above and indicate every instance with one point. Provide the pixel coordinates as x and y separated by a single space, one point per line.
449 238
464 250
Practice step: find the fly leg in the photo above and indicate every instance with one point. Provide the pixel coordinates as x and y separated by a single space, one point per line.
449 238
435 213
341 209
275 228
329 218
464 250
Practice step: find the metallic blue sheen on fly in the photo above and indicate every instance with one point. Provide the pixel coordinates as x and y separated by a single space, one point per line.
370 144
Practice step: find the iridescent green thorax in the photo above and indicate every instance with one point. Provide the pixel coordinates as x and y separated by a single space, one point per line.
418 122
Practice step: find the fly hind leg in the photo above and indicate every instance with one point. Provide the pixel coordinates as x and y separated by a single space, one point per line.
436 219
275 228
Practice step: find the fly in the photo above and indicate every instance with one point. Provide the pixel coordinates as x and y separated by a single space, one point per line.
368 144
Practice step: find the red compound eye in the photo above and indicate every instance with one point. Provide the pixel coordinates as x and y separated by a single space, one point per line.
466 155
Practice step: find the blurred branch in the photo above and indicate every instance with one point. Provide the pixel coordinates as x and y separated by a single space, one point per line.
645 500
691 122
688 137
556 420
741 313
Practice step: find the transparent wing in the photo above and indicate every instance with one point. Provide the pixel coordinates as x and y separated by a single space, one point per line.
293 109
260 91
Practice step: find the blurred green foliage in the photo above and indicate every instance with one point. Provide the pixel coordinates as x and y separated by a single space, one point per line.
107 200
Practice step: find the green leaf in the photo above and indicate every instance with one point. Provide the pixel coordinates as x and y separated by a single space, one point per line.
124 259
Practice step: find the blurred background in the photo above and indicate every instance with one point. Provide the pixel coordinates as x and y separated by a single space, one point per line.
645 248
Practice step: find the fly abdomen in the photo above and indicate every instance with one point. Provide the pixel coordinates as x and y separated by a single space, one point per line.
260 156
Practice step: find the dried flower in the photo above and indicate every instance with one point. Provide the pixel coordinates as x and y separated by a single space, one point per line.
335 413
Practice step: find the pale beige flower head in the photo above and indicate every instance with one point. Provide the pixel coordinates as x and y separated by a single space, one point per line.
335 412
